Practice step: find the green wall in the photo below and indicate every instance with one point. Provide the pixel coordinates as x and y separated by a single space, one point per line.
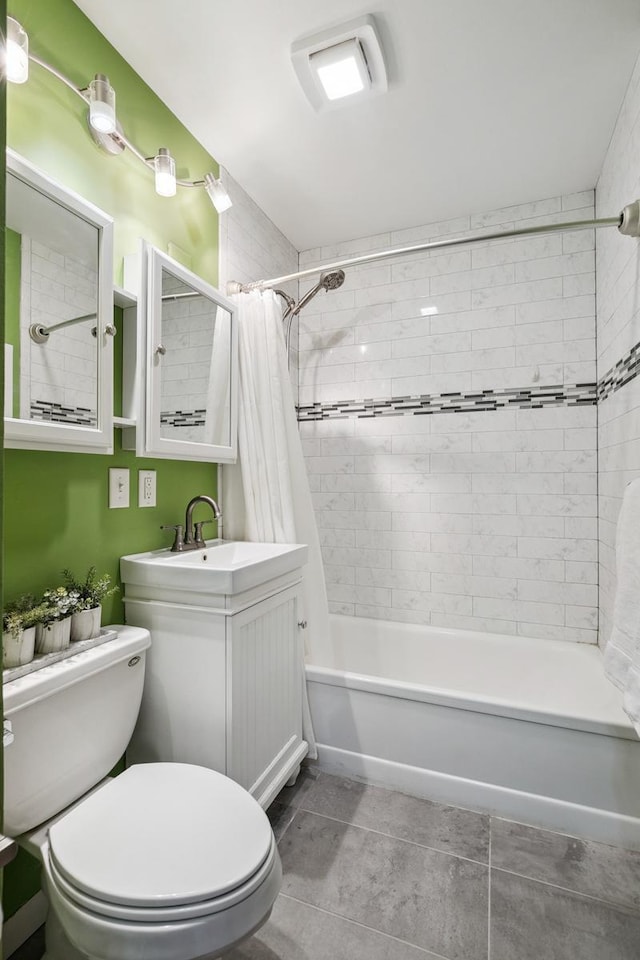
56 511
3 13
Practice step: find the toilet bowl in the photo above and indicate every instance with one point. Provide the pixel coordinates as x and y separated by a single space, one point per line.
167 861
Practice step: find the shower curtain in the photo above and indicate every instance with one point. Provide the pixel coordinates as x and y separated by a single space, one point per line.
218 402
266 494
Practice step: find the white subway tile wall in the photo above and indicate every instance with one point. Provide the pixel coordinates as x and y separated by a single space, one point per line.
618 311
252 248
61 373
482 520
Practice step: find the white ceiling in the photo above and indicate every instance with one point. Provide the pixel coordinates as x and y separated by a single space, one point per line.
490 102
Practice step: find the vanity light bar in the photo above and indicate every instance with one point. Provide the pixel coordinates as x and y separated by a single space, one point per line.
103 125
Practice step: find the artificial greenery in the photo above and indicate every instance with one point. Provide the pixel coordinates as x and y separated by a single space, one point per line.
23 613
91 591
60 603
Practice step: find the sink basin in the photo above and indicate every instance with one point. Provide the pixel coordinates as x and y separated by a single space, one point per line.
222 567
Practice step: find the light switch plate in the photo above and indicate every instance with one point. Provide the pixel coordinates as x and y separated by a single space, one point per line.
146 488
118 487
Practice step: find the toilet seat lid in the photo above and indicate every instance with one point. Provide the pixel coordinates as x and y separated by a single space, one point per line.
162 834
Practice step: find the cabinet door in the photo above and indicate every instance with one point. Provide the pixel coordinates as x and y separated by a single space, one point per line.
58 352
264 695
191 366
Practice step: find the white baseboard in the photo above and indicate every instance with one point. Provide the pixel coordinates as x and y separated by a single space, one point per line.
25 921
547 812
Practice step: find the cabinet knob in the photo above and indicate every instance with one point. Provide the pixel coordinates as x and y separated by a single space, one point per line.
302 624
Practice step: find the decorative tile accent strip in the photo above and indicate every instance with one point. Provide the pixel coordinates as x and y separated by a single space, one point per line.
60 413
579 394
626 369
183 418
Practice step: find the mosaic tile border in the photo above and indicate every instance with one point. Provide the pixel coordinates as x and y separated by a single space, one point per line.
183 418
625 370
579 394
60 413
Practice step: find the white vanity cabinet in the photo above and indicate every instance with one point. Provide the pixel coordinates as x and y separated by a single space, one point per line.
223 683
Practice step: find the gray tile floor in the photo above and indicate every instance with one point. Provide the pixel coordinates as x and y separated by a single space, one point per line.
372 874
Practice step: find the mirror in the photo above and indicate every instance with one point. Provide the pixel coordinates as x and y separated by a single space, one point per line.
191 365
58 312
194 370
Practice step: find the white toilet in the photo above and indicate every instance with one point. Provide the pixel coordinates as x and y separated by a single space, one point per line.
168 861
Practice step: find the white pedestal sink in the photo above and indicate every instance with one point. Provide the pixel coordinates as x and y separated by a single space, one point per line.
223 567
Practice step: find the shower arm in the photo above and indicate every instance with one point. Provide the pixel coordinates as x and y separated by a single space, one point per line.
627 222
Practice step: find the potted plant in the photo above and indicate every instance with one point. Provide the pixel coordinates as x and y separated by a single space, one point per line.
53 632
19 630
85 621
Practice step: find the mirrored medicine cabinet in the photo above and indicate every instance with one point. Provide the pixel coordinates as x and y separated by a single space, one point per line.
181 388
58 357
179 336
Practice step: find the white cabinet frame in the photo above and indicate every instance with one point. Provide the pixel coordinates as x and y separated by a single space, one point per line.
149 439
44 435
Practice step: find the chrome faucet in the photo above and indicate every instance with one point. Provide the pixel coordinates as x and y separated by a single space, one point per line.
192 538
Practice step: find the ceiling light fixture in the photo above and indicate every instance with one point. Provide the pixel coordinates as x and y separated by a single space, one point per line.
217 193
102 105
16 52
341 65
341 69
103 124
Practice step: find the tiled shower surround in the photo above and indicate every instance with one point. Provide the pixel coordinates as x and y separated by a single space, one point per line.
459 485
618 266
453 452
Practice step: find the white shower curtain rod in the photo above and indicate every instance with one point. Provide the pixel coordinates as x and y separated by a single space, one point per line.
628 223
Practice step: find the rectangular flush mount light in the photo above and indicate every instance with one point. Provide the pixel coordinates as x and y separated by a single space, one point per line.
341 69
341 65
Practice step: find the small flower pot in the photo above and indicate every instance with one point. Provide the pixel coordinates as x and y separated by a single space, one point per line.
86 624
54 636
18 648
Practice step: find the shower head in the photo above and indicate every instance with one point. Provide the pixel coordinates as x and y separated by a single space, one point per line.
327 281
331 281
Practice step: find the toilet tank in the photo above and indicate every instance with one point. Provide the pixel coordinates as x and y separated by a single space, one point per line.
72 722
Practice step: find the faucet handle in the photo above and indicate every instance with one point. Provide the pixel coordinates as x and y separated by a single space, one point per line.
178 542
197 535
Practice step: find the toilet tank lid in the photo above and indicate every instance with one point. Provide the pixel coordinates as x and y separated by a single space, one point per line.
162 834
42 683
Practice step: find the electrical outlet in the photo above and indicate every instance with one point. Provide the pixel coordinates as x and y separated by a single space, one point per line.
118 487
146 488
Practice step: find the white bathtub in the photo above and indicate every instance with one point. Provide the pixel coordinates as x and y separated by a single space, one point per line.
528 729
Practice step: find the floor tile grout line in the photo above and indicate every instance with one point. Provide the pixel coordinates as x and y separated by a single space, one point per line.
287 826
358 923
391 836
489 891
577 893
